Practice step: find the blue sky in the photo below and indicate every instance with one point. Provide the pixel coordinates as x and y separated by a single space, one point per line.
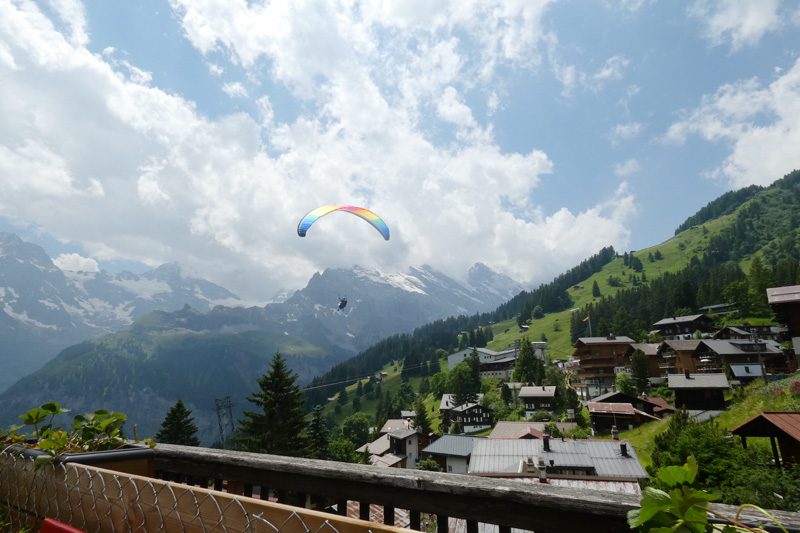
523 134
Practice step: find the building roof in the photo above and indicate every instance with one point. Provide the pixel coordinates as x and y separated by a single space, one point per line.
540 391
619 397
622 409
746 370
679 319
783 295
379 446
771 424
611 339
402 433
698 381
452 445
511 430
387 460
679 345
661 404
393 424
447 402
649 348
508 456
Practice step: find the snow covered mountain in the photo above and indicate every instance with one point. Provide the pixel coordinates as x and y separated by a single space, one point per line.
44 309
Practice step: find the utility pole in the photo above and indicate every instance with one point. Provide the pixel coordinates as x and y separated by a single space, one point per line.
224 417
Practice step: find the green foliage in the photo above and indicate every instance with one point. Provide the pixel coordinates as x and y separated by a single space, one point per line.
430 465
462 384
625 383
681 506
97 431
356 428
529 368
318 435
278 425
178 427
343 451
640 371
421 416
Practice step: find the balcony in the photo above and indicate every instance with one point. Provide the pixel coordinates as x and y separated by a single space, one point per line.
306 491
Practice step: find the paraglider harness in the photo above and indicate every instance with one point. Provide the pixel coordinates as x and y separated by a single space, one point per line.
342 303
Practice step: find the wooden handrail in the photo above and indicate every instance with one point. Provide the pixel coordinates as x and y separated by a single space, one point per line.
506 503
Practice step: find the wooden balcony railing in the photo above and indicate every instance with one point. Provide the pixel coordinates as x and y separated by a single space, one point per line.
475 500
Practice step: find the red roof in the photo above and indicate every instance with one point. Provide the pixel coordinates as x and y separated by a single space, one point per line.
766 424
615 408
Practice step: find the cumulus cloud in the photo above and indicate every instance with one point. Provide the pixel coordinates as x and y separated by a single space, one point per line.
76 263
741 22
235 90
625 132
760 123
626 168
156 180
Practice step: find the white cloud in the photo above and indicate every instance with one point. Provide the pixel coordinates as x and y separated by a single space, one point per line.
155 180
235 90
625 132
626 168
760 124
741 22
76 263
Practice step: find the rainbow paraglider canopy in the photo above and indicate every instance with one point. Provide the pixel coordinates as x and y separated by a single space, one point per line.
376 221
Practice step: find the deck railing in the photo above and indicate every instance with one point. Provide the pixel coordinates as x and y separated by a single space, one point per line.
474 501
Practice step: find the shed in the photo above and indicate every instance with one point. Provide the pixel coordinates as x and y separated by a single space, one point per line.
783 430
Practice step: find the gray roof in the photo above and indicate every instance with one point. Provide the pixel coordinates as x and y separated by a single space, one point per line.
680 345
539 391
402 433
746 370
605 340
447 402
509 430
698 381
379 446
453 445
504 456
648 348
678 319
782 295
722 347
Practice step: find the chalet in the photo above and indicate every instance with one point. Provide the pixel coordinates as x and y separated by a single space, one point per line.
451 452
678 356
394 424
683 327
406 444
499 368
640 404
663 408
783 430
485 355
744 373
785 303
470 416
699 392
717 355
605 416
526 430
538 398
597 359
587 464
746 331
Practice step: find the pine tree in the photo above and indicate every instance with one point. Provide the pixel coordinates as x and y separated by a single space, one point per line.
318 433
421 416
178 427
278 426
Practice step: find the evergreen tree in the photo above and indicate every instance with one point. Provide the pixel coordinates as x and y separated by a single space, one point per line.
318 434
528 368
506 395
640 370
355 428
178 427
421 416
596 290
278 425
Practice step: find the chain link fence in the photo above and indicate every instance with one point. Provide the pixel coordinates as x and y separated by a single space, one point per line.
98 500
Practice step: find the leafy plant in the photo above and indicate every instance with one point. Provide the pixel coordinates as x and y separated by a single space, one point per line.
684 508
98 431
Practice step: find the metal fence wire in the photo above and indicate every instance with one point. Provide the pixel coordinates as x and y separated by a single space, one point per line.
99 500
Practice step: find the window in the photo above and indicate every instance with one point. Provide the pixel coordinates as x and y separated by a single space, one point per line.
449 468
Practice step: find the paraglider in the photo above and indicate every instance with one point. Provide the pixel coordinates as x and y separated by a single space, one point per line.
342 303
376 221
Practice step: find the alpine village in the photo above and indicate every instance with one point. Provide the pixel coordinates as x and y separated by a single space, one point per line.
653 390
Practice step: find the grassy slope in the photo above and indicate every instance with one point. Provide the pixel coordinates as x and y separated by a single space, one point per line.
677 253
758 399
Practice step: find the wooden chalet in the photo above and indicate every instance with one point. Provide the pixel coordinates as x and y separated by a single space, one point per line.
538 398
699 392
683 327
785 303
623 416
783 430
598 358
